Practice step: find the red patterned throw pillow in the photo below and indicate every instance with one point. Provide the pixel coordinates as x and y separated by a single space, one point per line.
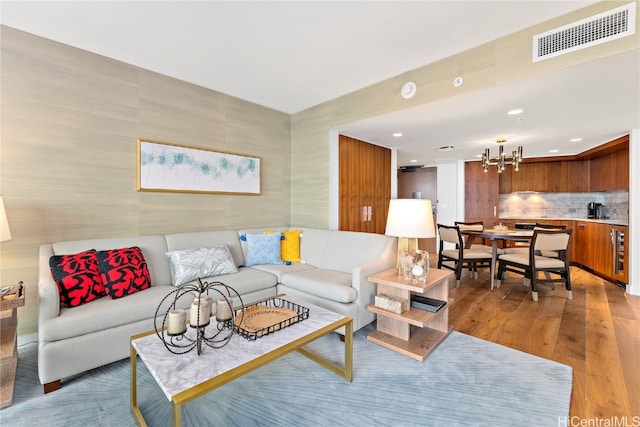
124 271
78 277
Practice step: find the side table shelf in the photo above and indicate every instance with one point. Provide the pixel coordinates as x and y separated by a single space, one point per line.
8 342
414 333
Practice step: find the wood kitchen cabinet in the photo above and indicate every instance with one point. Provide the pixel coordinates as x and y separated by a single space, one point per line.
568 177
609 170
530 177
603 168
602 249
594 247
621 170
581 252
504 181
601 173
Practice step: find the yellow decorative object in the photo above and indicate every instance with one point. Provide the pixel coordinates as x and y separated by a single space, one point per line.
289 246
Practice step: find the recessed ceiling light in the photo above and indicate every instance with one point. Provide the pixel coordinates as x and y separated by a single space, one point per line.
554 151
457 82
413 161
515 112
575 139
397 134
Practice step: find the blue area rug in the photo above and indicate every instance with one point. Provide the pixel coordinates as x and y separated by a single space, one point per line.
464 382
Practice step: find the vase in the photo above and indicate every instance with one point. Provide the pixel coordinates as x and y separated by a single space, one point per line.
415 265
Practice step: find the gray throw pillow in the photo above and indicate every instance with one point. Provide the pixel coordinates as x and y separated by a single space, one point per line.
190 264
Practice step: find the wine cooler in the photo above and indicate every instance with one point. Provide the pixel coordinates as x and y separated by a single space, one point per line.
617 239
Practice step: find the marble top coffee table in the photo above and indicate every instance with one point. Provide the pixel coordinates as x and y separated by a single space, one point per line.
188 376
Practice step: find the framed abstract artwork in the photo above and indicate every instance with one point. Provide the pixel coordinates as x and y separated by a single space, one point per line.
170 167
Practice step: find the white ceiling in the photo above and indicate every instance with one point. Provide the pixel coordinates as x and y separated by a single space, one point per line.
293 55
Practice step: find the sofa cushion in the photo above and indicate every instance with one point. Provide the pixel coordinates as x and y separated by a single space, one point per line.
190 264
107 313
247 280
78 277
279 270
263 248
124 271
330 284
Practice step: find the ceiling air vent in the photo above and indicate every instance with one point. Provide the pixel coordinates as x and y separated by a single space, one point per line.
610 25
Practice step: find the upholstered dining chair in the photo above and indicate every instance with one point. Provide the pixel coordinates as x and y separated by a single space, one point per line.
523 247
458 258
472 226
554 244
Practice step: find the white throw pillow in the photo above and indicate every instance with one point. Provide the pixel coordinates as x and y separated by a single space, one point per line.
190 264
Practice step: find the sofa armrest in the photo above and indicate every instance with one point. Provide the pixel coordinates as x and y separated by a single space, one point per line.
48 296
366 289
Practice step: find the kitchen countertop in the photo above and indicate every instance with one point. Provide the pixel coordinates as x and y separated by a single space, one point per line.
600 221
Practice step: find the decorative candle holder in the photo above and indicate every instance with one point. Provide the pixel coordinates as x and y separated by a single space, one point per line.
183 330
415 265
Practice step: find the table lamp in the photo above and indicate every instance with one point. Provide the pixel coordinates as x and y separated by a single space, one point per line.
5 233
409 220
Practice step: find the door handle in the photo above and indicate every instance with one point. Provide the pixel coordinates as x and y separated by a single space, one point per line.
367 213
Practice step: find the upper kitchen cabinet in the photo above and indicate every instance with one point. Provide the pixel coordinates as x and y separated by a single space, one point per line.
609 165
568 177
530 177
601 173
603 168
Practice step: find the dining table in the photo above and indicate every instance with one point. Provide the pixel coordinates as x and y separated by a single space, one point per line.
496 235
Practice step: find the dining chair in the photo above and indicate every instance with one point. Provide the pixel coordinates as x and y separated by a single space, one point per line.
523 247
545 241
460 257
472 226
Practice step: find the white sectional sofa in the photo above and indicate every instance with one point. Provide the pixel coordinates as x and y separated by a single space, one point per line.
332 274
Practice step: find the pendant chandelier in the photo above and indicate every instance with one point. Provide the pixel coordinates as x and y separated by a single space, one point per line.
502 160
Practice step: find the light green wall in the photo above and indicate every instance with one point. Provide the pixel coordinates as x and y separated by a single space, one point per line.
70 120
498 62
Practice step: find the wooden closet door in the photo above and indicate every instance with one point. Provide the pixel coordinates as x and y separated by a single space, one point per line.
425 182
365 185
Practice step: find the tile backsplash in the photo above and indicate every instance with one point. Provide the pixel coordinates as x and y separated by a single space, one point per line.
563 205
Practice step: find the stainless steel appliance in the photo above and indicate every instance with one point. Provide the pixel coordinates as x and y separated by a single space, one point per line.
594 210
617 239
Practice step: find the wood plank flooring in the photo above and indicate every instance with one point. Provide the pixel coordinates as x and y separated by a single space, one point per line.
597 333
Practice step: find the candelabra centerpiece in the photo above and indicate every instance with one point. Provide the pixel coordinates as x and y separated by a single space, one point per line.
183 330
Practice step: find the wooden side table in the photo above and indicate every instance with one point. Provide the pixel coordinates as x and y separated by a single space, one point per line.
414 333
9 304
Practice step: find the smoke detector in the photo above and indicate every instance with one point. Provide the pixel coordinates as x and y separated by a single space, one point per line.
408 90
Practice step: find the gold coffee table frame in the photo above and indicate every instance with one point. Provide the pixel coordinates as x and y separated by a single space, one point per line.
186 396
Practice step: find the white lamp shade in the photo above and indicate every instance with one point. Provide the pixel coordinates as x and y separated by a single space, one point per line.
411 218
5 233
